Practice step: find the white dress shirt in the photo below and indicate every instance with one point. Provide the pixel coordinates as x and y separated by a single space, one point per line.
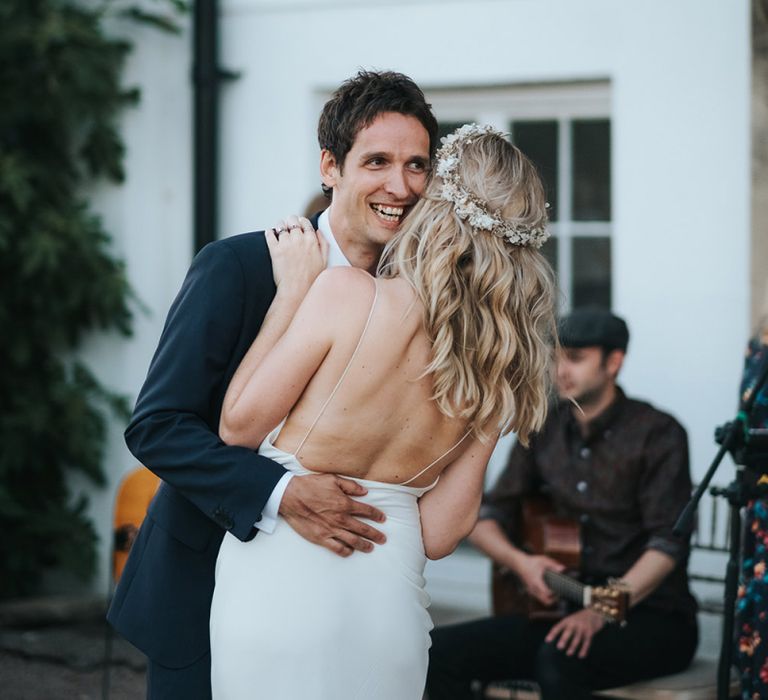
336 258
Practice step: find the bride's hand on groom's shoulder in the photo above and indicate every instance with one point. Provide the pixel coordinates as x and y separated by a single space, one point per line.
299 254
321 508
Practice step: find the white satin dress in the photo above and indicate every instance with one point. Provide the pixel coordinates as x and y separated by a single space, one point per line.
290 620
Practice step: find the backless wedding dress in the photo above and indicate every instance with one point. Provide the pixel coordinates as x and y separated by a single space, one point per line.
290 620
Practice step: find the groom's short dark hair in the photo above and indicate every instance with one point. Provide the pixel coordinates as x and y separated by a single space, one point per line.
360 99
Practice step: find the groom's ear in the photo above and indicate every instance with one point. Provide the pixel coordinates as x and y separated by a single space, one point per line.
329 170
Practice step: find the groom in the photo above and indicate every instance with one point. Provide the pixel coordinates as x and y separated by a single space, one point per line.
377 135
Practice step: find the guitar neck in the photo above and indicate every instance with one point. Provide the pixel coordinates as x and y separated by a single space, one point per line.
568 588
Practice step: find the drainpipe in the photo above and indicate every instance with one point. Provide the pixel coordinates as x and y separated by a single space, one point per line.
207 76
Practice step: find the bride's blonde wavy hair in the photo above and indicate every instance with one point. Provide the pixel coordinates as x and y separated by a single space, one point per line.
488 304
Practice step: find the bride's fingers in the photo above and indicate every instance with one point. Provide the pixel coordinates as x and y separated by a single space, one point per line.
306 224
316 235
293 225
304 240
271 238
312 240
279 228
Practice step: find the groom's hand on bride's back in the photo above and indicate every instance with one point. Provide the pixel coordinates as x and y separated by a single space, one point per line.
321 508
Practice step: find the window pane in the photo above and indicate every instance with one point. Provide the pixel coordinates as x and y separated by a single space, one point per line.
591 170
549 251
538 140
592 272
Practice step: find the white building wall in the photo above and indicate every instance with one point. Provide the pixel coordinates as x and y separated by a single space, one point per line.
150 219
679 76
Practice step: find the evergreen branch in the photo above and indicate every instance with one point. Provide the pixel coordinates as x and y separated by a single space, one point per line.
59 278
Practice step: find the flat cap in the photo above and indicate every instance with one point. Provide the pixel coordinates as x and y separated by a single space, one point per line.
593 327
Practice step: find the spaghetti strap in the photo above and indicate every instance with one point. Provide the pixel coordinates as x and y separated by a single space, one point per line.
346 369
432 464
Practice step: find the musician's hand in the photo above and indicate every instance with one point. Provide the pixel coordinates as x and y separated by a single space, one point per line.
322 509
575 632
532 575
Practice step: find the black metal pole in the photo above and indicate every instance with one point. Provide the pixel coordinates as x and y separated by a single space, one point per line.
206 121
736 497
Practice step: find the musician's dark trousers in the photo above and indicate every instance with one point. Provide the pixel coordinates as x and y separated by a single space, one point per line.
653 643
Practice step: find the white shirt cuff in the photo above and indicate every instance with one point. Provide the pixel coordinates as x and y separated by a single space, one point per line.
266 523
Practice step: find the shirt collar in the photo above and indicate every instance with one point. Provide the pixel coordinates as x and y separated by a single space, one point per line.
601 422
336 257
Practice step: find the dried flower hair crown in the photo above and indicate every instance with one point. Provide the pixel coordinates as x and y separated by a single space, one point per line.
470 208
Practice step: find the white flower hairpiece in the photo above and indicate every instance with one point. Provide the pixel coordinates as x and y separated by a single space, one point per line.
470 208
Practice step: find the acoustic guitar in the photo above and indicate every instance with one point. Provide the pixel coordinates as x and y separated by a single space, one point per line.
543 532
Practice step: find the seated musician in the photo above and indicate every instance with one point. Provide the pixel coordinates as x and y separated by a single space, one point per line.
619 469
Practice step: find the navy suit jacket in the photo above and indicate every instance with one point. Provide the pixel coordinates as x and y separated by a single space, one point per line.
162 602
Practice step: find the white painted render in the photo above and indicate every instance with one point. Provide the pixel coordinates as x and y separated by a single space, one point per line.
678 73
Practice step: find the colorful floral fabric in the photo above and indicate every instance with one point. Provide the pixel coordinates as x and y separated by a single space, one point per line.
752 602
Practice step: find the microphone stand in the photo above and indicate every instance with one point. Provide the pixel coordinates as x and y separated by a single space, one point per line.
737 493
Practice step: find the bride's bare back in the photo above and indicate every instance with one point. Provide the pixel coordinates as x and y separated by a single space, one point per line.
381 423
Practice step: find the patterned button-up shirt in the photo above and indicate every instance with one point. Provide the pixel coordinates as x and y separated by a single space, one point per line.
625 480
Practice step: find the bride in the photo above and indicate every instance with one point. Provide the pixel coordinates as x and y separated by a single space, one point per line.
402 382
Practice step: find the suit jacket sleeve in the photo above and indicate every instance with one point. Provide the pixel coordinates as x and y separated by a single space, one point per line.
174 429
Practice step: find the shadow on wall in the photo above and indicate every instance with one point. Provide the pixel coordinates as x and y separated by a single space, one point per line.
317 204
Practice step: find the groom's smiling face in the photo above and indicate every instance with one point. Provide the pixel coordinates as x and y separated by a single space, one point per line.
380 180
